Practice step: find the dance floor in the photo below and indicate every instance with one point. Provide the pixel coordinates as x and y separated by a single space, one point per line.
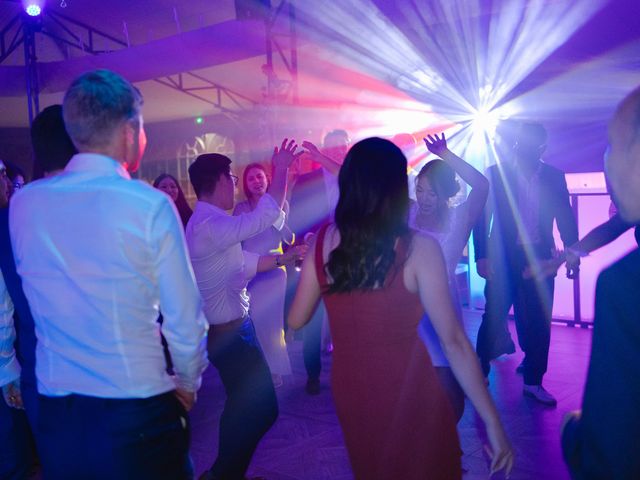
306 441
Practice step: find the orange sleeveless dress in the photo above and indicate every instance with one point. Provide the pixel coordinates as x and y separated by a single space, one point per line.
395 417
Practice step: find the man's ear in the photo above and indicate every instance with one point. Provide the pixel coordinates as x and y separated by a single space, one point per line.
129 134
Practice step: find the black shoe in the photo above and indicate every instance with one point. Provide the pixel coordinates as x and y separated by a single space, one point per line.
313 386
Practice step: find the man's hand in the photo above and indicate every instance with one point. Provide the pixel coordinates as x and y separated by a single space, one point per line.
573 264
284 156
12 395
293 254
436 145
483 268
187 399
311 149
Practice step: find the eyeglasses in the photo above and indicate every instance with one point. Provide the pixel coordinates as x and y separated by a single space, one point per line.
235 179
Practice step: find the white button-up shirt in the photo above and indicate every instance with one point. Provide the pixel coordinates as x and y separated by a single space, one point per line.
9 367
100 255
222 269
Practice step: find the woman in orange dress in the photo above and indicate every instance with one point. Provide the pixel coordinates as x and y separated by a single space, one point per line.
377 279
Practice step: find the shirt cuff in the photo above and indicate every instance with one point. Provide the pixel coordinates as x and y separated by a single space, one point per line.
270 204
250 264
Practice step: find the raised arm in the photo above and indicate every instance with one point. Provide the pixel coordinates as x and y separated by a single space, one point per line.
477 181
427 275
329 165
282 159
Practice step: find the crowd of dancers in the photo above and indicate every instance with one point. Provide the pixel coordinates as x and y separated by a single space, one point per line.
115 296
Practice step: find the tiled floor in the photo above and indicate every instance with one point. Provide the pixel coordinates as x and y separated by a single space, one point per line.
306 441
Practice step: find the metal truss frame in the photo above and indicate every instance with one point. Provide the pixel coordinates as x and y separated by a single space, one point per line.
281 68
22 29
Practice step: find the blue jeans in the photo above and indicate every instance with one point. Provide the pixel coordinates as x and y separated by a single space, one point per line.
84 437
251 407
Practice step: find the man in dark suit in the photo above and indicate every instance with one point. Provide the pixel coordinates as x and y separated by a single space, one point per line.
602 441
527 195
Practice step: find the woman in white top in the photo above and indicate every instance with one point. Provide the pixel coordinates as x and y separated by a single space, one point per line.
436 185
267 289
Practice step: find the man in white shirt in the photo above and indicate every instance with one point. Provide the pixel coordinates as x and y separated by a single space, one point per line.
223 271
100 255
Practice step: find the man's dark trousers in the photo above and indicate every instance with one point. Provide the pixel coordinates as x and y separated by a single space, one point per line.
88 437
251 407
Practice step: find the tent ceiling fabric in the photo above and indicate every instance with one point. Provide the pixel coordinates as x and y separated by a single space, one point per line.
169 36
218 44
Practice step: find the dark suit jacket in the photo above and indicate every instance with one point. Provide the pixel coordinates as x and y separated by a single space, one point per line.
26 338
606 444
553 204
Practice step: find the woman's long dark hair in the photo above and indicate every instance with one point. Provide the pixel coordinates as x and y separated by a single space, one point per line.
184 210
371 214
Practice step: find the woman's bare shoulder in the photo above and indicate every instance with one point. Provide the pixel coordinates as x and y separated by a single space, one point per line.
423 245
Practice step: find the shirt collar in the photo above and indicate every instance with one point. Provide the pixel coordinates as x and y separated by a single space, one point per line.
96 163
209 207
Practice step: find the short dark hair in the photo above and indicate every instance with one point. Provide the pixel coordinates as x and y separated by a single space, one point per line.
337 132
96 104
206 170
532 134
52 146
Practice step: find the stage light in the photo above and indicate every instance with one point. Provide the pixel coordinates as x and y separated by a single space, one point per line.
33 9
199 120
485 121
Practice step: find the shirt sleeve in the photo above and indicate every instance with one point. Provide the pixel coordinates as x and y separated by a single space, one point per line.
184 325
9 366
228 230
250 264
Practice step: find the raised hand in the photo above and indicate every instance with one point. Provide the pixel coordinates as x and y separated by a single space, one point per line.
311 148
436 145
286 154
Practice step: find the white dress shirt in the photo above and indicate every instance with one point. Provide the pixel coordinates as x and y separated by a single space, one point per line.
100 255
222 269
9 367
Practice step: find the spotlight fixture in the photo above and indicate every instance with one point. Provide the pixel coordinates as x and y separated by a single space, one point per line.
199 120
33 9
